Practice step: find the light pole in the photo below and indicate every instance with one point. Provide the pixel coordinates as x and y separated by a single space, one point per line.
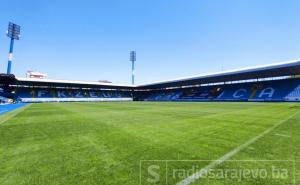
13 33
132 59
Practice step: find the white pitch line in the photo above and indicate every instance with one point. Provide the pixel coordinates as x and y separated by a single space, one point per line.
227 156
282 135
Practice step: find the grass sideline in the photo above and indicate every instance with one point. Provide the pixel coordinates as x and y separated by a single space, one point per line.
104 143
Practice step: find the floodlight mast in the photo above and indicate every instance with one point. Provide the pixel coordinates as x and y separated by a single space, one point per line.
13 33
132 59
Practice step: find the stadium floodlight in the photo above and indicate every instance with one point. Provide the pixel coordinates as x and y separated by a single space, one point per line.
132 59
13 32
133 56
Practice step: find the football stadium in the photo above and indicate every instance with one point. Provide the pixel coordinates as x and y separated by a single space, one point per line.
78 132
229 127
278 82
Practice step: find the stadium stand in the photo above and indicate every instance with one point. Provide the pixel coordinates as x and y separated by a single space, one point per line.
278 90
44 90
275 82
46 95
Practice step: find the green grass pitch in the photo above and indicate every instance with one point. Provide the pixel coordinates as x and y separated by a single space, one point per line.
133 143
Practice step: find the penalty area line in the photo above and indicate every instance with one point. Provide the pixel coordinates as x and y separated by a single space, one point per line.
192 178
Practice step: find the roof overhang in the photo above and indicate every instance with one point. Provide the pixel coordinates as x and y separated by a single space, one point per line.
68 83
264 71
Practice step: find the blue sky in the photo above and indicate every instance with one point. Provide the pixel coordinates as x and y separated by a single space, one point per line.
91 39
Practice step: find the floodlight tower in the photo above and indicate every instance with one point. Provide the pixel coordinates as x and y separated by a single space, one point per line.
13 33
132 59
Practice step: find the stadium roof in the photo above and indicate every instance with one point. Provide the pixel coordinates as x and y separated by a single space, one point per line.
263 71
256 72
67 83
